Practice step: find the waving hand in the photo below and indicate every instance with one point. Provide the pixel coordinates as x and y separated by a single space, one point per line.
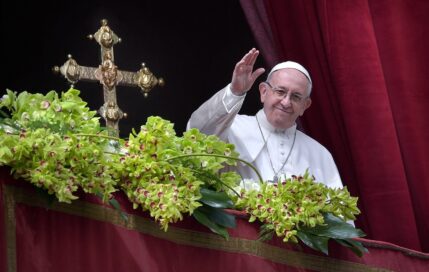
243 76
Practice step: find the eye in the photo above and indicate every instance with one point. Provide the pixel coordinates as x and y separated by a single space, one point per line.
280 92
296 97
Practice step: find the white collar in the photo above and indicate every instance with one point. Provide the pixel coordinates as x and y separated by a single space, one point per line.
262 118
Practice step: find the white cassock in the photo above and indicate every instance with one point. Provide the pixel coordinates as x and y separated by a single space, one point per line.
259 143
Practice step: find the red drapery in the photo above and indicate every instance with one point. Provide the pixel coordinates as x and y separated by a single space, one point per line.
39 235
367 60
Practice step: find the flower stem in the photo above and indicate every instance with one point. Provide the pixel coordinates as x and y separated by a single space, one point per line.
218 180
220 156
99 135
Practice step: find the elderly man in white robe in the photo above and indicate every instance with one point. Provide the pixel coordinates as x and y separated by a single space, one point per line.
270 139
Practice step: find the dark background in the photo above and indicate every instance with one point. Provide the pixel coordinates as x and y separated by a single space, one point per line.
193 45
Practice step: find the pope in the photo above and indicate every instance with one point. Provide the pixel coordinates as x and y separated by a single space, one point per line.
270 139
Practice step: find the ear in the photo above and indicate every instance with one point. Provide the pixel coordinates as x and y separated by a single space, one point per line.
263 91
306 105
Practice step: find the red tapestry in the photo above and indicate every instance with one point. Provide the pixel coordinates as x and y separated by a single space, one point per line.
88 236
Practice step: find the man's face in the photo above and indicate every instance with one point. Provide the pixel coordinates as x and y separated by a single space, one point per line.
285 97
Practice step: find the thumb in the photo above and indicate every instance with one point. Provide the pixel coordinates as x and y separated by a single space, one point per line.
257 74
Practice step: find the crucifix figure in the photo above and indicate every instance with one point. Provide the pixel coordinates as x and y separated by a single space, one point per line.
109 76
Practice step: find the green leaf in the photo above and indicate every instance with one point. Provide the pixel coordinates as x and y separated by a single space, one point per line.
266 232
4 114
334 228
205 220
207 176
319 243
354 246
9 126
219 216
115 204
8 129
215 199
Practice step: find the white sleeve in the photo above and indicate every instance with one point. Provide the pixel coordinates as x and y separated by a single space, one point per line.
230 100
216 115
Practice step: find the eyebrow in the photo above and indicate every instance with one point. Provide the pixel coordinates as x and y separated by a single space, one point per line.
286 90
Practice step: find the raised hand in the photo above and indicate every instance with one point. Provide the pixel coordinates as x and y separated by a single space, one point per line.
243 76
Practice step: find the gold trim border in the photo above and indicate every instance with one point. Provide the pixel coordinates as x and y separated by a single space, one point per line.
14 195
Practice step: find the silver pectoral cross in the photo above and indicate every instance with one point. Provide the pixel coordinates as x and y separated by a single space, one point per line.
278 177
109 76
275 179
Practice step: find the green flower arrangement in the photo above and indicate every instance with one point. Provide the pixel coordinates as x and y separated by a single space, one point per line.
41 142
300 208
56 143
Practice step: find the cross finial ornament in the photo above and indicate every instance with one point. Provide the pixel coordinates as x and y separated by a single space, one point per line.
108 74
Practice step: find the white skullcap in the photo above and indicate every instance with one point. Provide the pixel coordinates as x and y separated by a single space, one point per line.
291 65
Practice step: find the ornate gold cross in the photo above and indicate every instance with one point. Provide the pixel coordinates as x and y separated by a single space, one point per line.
109 76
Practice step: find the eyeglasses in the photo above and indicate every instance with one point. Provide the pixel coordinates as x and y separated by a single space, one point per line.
282 93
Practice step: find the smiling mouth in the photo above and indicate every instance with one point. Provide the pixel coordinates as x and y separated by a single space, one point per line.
284 110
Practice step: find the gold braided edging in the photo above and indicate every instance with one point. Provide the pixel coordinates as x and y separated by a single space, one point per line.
13 195
405 251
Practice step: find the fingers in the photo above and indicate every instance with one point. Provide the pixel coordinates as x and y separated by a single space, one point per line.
243 75
257 73
248 60
250 57
253 56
